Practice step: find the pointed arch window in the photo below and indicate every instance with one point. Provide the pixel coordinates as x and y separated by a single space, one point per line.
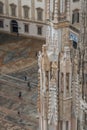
39 14
67 81
1 7
75 16
62 81
26 11
13 9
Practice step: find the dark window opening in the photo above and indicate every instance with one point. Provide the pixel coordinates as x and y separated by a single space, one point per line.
14 26
67 81
74 45
75 17
26 28
1 24
39 29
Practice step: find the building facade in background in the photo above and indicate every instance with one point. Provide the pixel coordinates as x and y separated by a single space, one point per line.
62 74
28 17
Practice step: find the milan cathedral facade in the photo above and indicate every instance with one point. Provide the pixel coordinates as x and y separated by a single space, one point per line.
62 74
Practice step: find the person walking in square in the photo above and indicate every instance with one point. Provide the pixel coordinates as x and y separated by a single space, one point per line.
25 78
20 94
29 86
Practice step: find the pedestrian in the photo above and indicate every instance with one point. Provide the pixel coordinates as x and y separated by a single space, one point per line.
25 77
17 34
36 54
20 94
19 113
29 86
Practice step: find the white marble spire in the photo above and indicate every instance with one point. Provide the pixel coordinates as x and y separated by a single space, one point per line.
56 12
48 10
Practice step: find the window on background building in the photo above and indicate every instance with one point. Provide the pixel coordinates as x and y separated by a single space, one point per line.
75 16
39 30
75 0
86 119
1 24
61 125
26 28
39 14
67 125
39 0
1 8
13 10
26 11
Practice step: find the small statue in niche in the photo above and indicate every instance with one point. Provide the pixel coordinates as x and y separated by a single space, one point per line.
39 60
45 59
54 70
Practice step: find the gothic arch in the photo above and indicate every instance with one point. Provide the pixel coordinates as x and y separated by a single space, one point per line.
75 16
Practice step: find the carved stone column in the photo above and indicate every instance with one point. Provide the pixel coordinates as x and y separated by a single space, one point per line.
39 101
75 89
65 39
56 12
45 9
48 10
53 104
68 10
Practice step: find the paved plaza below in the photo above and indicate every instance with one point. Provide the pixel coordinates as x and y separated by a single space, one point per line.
17 60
